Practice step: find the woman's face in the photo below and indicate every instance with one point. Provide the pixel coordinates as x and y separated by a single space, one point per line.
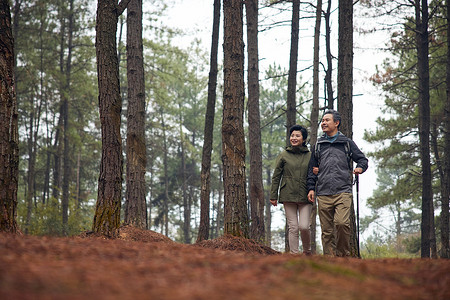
296 138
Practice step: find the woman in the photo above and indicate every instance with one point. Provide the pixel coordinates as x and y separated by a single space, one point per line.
289 188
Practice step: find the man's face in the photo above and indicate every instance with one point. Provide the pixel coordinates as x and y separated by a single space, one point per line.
329 126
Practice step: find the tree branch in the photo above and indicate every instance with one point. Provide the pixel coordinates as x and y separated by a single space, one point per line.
122 6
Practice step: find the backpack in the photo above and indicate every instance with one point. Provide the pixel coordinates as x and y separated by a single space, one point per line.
347 150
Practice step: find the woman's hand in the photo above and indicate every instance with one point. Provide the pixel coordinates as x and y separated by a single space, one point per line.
311 196
273 202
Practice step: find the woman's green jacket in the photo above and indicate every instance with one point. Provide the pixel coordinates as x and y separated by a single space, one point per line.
289 176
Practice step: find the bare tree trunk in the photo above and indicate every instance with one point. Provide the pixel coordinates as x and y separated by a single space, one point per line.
292 77
46 191
291 106
107 212
135 204
315 112
268 219
329 98
66 94
256 192
9 136
30 174
203 231
268 182
186 207
345 92
220 207
77 184
233 140
57 157
345 67
165 223
445 252
434 147
423 74
315 103
398 223
49 132
150 167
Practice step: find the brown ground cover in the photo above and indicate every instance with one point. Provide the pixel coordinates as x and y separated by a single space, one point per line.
143 264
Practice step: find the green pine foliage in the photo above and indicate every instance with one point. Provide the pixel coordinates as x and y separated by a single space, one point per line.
396 136
41 47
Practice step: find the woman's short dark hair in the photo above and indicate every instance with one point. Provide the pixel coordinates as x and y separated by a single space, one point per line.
336 115
302 130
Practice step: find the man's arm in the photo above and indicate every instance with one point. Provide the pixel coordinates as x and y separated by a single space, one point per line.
362 163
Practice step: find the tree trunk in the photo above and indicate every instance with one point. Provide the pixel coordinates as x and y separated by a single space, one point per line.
77 184
65 95
268 219
9 137
345 92
233 140
57 157
445 252
135 204
256 192
107 212
186 207
398 223
46 191
345 67
440 168
268 182
423 74
315 111
329 98
203 231
292 77
220 207
165 222
32 146
291 106
49 131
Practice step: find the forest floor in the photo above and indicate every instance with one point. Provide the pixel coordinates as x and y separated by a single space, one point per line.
143 264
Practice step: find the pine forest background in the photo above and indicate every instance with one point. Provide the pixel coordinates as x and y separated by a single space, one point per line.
57 96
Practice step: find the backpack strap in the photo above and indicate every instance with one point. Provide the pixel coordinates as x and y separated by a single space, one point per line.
317 152
349 154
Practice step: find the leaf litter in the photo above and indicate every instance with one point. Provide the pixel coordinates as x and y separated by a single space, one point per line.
143 264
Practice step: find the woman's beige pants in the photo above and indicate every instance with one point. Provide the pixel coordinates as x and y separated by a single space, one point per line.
298 216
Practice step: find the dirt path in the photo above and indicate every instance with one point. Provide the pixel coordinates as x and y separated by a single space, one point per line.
146 265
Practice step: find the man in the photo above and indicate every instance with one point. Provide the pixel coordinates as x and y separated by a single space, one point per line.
330 169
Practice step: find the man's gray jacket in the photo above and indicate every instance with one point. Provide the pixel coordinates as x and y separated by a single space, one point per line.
333 160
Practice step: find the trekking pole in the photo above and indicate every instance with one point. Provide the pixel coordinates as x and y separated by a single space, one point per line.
357 211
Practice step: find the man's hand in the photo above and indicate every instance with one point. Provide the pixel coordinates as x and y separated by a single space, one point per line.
357 171
315 170
273 202
311 196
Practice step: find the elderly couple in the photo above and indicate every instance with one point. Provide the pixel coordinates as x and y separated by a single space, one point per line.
300 175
